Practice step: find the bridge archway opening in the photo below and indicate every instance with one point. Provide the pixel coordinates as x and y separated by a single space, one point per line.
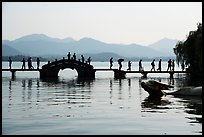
67 73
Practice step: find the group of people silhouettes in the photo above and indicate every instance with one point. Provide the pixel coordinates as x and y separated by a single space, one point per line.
171 65
29 60
81 60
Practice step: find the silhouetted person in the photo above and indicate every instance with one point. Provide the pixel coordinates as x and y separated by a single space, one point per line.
10 62
129 65
111 63
23 65
153 65
69 55
30 66
38 63
74 56
140 65
89 60
82 58
169 65
182 66
173 65
159 66
120 65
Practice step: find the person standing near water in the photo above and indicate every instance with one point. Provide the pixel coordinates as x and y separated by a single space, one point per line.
111 62
169 65
129 65
173 65
140 65
23 65
153 65
159 66
68 55
10 62
38 63
89 60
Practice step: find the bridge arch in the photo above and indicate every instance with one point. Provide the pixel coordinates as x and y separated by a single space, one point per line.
52 69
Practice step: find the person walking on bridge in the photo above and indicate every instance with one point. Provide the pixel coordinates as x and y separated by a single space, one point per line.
82 58
89 60
173 65
153 65
111 62
23 65
129 65
69 55
38 63
74 56
120 63
159 66
30 66
10 62
140 66
169 65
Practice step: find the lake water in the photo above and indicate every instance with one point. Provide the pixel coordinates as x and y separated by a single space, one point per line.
101 106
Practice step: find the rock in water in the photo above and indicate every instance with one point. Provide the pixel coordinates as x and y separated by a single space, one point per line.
188 91
155 88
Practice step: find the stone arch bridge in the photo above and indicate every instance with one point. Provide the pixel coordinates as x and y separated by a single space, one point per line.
52 69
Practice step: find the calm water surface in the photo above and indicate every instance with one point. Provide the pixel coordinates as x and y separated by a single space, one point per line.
101 106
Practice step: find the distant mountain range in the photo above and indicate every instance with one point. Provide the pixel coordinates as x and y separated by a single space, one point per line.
42 45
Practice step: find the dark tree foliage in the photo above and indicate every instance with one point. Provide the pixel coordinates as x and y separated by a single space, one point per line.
189 52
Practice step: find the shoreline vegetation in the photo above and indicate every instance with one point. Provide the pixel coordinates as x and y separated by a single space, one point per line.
189 53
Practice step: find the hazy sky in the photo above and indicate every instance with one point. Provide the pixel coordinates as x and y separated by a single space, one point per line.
111 22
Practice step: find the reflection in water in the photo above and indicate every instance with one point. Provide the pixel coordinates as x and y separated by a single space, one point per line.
72 91
129 87
71 96
111 90
120 97
193 105
10 92
155 103
171 81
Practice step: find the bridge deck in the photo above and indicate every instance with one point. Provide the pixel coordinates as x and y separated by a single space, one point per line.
102 70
